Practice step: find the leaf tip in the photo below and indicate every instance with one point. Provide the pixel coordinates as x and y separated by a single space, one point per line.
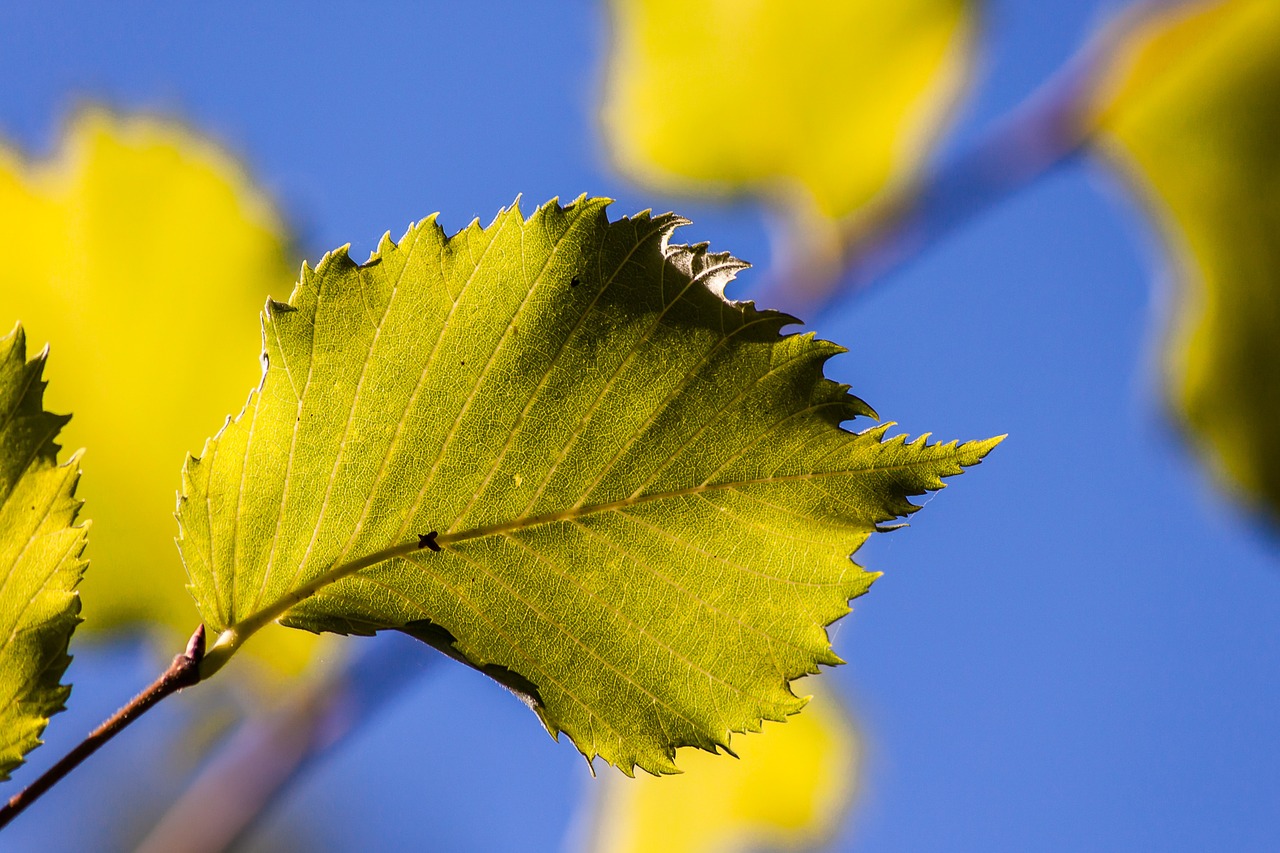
977 450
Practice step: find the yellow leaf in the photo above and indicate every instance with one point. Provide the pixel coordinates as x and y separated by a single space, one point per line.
829 107
1189 107
143 253
787 791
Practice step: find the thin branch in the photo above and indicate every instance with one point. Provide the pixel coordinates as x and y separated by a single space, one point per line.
1046 131
1041 135
183 672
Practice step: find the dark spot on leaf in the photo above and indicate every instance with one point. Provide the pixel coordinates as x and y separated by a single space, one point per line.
428 541
574 282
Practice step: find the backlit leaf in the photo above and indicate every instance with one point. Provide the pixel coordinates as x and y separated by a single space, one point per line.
40 548
828 108
787 791
1191 111
553 449
141 252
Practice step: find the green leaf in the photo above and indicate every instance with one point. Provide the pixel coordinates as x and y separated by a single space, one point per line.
40 549
1190 111
642 500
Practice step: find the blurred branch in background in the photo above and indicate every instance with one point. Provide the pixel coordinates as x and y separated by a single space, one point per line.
271 751
1042 134
1047 131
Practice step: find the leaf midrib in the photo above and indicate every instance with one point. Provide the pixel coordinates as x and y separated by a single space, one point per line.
573 514
235 634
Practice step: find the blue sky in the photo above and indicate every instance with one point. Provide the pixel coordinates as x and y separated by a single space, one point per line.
1073 648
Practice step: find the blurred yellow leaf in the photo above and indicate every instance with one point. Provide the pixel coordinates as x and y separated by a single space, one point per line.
828 106
144 254
788 790
1190 109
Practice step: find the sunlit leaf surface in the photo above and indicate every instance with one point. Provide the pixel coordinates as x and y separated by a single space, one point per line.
553 449
40 549
788 791
826 106
142 252
1191 110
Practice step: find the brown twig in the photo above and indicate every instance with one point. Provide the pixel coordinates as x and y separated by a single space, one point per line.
183 672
